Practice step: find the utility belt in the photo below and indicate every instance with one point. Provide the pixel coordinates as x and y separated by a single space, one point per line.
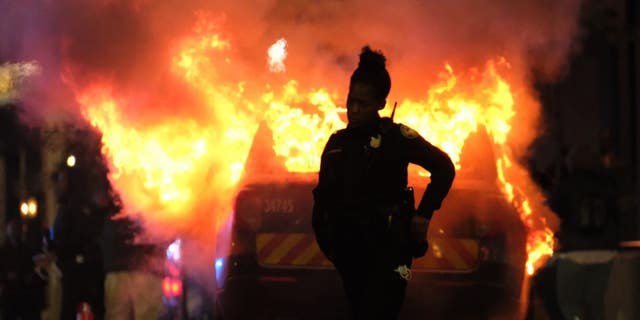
402 203
388 220
391 222
374 218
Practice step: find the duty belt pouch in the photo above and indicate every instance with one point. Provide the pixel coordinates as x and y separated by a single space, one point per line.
417 247
419 228
398 237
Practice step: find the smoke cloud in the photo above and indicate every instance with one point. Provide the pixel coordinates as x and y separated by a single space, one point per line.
129 42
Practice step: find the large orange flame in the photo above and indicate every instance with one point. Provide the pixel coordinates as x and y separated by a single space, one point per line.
154 166
455 108
298 136
171 170
164 167
452 110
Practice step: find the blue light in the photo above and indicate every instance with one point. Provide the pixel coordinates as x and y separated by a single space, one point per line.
219 268
173 251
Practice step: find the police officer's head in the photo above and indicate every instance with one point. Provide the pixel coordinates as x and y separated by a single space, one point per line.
368 89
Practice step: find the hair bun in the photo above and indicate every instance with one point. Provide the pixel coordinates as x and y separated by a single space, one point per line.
370 59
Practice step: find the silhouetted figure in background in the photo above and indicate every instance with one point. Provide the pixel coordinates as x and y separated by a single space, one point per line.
585 200
23 277
84 203
134 269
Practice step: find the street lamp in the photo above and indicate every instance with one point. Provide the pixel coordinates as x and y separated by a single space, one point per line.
29 208
71 161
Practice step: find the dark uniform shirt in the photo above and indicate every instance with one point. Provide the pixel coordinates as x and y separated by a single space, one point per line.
367 167
362 182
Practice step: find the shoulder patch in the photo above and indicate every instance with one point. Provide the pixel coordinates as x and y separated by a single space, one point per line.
408 132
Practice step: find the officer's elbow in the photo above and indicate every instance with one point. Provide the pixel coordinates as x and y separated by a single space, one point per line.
444 173
448 170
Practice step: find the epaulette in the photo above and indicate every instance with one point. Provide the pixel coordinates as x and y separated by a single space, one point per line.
407 132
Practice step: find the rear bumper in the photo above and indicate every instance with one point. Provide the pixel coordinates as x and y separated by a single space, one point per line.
262 293
282 293
491 291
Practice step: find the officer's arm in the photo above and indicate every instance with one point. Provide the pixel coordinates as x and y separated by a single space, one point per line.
327 177
322 198
438 163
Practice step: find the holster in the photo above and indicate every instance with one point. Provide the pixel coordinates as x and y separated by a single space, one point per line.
323 231
418 232
419 249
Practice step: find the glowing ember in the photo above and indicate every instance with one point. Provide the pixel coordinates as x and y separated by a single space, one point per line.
277 53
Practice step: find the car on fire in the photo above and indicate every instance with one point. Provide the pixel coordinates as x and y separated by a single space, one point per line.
270 267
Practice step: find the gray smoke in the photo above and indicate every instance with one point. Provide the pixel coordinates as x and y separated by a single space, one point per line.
129 42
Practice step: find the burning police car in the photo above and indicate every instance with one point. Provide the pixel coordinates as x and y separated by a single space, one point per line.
273 268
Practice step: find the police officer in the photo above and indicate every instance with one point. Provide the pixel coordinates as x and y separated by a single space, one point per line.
360 214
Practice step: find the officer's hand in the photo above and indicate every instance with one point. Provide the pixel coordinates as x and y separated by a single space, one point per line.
419 249
419 228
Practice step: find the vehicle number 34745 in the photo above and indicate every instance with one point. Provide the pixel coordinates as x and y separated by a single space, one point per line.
278 205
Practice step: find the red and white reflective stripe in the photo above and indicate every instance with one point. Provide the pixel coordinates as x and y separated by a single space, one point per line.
301 249
290 249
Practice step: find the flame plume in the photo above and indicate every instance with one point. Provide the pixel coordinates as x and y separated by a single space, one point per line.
298 136
277 53
165 170
453 109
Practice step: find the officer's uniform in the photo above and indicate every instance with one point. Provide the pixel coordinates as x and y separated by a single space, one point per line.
362 181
